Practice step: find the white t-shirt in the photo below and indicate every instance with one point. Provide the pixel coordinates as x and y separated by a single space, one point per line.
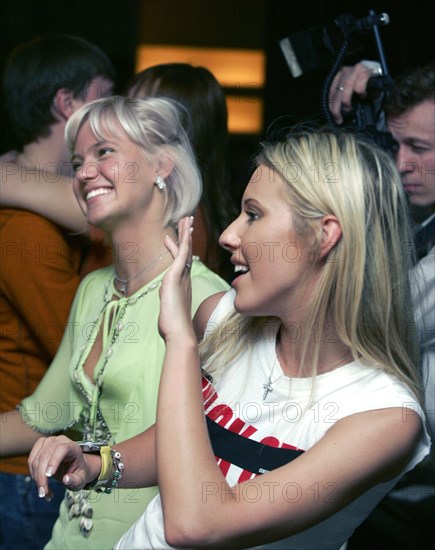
423 288
290 417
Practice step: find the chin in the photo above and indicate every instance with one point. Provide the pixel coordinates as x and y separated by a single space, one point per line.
97 218
421 202
250 309
241 307
93 220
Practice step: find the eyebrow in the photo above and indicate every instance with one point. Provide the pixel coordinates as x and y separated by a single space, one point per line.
411 140
250 203
93 147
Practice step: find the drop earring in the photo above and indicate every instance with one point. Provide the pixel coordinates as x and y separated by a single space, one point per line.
160 182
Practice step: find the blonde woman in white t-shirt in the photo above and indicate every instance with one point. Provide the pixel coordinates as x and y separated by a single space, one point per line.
307 410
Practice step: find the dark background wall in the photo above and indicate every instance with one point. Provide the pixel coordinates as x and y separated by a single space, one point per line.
407 42
119 25
111 24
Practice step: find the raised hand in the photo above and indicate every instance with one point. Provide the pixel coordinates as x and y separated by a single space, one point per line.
348 81
176 293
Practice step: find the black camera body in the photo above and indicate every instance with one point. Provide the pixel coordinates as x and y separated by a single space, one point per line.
328 45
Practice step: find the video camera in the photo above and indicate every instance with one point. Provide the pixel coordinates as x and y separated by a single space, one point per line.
329 45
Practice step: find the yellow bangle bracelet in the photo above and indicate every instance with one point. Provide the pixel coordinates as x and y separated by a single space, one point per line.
106 463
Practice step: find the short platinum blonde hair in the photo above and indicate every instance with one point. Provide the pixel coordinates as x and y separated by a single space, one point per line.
153 124
364 284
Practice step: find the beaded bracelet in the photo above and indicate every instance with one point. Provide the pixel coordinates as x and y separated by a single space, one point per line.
118 466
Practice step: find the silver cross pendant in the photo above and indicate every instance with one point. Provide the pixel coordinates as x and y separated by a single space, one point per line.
267 388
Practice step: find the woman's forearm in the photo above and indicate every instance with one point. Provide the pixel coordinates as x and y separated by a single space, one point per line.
139 457
182 432
63 458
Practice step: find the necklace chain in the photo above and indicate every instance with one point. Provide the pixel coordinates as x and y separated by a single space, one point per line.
123 283
268 388
268 385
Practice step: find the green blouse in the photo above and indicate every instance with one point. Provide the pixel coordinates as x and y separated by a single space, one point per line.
123 401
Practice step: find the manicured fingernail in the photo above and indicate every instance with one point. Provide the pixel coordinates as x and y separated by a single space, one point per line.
191 219
49 471
67 480
41 492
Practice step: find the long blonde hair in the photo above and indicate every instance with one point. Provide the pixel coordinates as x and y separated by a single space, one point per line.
364 286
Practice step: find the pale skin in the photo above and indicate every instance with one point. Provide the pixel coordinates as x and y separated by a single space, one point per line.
355 454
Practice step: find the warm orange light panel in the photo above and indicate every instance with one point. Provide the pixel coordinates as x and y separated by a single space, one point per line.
245 115
232 67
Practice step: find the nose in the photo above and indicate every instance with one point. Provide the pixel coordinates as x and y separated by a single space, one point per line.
405 160
230 237
88 171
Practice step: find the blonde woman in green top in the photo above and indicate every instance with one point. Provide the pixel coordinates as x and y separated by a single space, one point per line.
135 177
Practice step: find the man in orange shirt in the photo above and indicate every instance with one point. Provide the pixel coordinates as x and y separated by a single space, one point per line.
45 81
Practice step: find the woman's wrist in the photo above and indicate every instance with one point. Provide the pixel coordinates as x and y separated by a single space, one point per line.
93 467
104 470
185 341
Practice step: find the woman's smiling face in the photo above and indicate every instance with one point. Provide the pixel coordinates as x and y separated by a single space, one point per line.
113 179
275 263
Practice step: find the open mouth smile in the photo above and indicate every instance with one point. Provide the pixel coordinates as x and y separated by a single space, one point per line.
97 192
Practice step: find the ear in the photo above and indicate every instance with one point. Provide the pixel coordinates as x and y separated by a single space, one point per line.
164 166
331 235
64 104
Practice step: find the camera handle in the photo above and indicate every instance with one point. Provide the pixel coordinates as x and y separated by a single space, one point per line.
379 46
348 25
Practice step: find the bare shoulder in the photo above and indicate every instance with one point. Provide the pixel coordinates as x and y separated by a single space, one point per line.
379 421
204 312
386 438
